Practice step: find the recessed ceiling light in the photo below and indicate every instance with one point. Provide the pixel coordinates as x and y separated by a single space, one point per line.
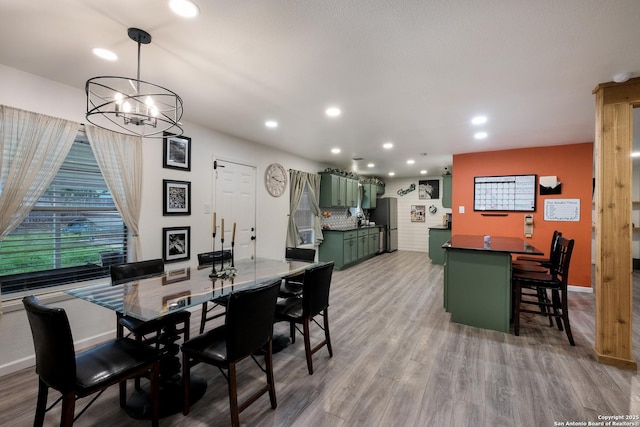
480 135
271 124
184 8
105 54
392 173
423 172
335 150
635 154
370 165
410 161
479 120
333 112
387 145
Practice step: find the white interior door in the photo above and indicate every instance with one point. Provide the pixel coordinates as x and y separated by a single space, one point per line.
235 201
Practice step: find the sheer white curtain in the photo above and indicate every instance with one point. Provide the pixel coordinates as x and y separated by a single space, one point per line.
313 180
298 181
32 149
120 160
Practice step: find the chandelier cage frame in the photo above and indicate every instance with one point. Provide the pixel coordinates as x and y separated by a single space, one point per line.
133 106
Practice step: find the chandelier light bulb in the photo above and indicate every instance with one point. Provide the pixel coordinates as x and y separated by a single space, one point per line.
154 111
149 101
118 98
126 107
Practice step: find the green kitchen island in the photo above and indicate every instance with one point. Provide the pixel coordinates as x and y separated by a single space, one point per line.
477 279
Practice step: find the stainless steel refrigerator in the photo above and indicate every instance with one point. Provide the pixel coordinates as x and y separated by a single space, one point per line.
386 214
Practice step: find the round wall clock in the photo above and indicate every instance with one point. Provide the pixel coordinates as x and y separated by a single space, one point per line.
275 179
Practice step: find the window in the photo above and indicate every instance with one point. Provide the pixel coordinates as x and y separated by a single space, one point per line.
73 233
304 218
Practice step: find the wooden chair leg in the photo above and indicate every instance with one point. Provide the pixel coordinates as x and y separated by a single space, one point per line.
68 409
516 314
123 393
41 405
307 344
155 395
233 396
292 332
565 318
327 336
268 360
557 307
186 384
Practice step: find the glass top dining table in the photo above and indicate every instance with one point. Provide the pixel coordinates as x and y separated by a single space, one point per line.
154 296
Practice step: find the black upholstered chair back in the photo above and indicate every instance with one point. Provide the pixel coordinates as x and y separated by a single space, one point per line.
249 319
132 270
53 343
315 293
300 254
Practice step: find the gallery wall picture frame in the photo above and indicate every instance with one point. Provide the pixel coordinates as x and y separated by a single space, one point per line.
428 189
176 197
176 152
176 244
417 213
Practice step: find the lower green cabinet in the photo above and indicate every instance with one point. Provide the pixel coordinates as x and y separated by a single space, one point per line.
438 237
345 248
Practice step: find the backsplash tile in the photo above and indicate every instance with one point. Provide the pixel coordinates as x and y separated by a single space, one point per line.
340 218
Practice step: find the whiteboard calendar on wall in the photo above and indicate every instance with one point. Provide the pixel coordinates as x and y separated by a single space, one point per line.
505 193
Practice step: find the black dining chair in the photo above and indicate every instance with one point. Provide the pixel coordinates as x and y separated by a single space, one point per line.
315 301
148 331
556 282
292 285
79 375
248 329
526 260
210 309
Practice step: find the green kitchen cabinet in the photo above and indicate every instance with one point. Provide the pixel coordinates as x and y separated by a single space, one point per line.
374 240
337 191
346 248
438 236
369 195
363 243
446 191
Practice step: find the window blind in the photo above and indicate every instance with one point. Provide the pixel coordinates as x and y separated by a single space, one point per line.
73 233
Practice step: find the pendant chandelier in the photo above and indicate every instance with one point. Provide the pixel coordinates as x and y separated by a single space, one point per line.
133 106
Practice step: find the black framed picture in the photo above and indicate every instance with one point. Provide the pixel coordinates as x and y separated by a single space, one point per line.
429 189
176 197
176 152
176 242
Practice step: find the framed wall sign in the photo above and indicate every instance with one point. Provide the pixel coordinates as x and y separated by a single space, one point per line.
417 213
176 242
176 152
176 197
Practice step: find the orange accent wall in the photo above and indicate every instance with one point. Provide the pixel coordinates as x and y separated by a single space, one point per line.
572 164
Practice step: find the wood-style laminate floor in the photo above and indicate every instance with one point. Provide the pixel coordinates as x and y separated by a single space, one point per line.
399 361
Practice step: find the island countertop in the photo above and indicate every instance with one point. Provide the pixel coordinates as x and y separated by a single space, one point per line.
514 245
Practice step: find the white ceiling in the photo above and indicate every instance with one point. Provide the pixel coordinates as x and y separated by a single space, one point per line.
409 71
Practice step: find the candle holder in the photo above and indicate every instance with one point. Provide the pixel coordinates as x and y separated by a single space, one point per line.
221 254
232 254
213 273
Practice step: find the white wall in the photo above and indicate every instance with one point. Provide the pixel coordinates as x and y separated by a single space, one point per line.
414 236
91 324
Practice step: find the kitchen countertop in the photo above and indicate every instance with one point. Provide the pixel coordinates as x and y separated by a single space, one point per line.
351 228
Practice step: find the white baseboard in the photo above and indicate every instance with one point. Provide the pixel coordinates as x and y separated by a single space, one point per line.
30 361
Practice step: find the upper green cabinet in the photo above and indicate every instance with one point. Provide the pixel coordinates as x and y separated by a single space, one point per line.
446 191
369 195
337 191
